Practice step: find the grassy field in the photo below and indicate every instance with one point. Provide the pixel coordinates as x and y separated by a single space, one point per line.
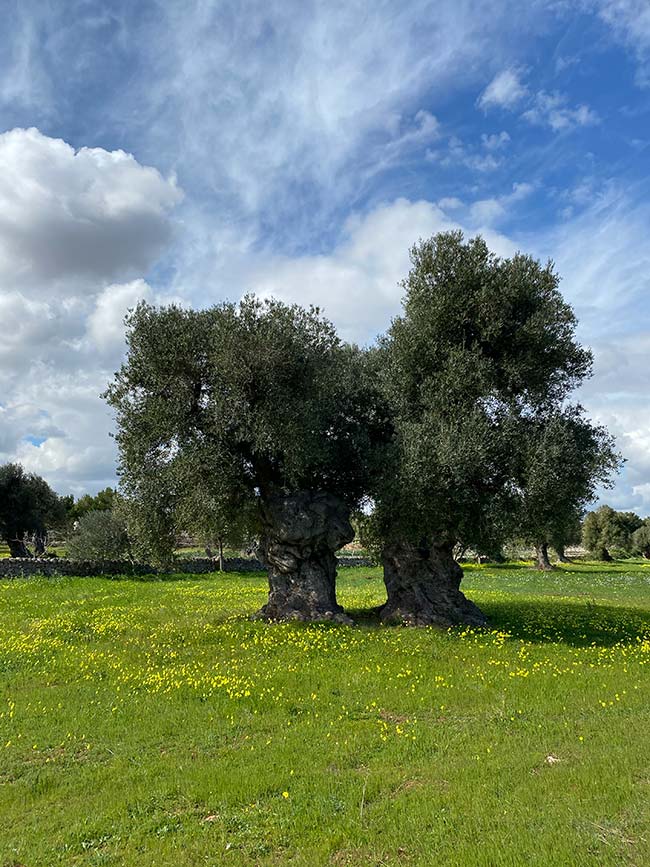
151 723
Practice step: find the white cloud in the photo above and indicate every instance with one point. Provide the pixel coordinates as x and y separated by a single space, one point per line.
544 109
485 212
629 21
105 325
551 109
357 284
70 221
449 203
89 214
504 91
496 141
457 153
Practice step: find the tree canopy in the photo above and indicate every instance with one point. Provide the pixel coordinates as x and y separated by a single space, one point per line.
102 501
27 506
564 458
223 412
482 344
606 532
100 535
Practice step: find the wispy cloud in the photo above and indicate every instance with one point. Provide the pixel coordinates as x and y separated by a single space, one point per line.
506 90
629 21
551 109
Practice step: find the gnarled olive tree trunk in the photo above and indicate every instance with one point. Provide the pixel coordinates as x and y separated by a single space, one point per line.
301 533
18 548
423 587
561 554
541 557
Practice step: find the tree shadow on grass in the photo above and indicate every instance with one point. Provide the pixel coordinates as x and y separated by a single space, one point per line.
578 624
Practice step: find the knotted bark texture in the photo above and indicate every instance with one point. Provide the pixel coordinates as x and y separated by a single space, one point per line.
302 532
423 588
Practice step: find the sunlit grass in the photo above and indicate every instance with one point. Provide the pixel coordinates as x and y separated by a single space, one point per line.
153 723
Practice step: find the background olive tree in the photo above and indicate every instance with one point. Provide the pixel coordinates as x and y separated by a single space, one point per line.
28 507
606 532
564 459
99 535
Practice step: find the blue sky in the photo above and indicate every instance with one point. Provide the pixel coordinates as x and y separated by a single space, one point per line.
197 150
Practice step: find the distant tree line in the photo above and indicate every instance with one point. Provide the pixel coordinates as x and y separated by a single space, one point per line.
30 511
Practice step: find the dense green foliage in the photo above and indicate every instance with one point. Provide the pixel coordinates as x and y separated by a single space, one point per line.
481 343
606 532
641 539
102 501
99 535
27 506
216 408
153 723
564 458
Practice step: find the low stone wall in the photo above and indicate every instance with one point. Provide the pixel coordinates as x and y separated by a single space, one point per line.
18 567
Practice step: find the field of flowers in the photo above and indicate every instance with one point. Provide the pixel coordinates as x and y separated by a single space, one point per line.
152 723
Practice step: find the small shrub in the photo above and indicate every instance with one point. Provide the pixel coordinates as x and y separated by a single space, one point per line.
100 535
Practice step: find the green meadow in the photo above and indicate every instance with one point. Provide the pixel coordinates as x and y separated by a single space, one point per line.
152 723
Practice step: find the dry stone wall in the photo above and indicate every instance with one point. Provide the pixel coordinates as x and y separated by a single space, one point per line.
18 567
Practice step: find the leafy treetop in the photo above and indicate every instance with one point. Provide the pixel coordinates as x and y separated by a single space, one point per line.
481 342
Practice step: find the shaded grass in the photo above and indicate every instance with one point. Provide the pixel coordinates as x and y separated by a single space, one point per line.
152 722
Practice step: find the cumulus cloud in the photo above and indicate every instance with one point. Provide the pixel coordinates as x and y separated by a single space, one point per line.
485 212
90 214
105 325
358 283
70 222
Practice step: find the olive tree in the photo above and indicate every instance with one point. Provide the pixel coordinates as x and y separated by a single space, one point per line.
605 531
102 501
641 539
481 341
100 534
564 458
28 506
249 413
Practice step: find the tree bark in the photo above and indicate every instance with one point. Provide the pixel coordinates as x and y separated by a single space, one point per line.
646 553
423 587
605 555
222 567
541 557
39 545
561 554
301 533
18 548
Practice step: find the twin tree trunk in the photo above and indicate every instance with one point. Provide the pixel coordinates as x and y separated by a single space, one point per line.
423 587
301 533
